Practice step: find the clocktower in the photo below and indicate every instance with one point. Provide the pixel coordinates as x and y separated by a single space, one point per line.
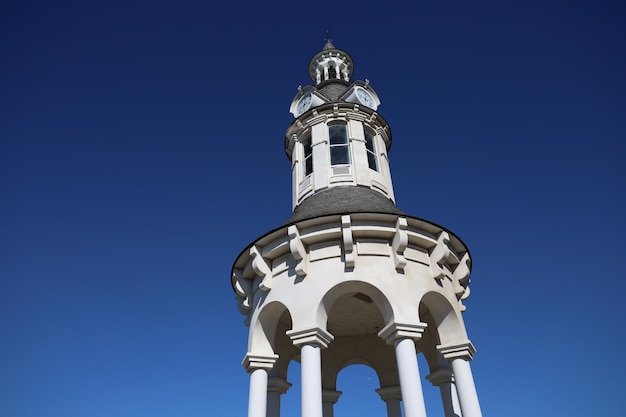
350 278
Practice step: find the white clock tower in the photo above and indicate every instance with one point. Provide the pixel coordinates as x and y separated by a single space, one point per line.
350 278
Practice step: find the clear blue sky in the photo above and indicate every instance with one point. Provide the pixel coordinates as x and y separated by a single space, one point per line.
141 149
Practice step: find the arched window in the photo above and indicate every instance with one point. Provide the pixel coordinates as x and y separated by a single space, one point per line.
308 159
371 149
339 145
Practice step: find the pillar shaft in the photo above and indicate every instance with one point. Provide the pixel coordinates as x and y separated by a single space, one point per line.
468 398
328 409
450 400
273 404
311 372
329 398
410 383
392 397
394 409
257 401
275 388
442 378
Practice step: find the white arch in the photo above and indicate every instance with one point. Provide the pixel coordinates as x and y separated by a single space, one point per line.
447 318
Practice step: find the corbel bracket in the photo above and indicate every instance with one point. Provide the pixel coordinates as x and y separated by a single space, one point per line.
348 242
297 251
400 242
439 255
261 268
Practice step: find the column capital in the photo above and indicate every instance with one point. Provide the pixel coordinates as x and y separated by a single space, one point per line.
252 361
312 335
463 351
440 376
331 396
279 385
390 393
393 331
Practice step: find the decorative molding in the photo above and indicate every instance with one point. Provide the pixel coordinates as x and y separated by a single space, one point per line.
371 247
440 376
243 289
359 117
390 393
348 241
400 243
297 251
439 255
252 361
330 396
324 250
393 331
463 351
313 335
461 281
261 268
278 385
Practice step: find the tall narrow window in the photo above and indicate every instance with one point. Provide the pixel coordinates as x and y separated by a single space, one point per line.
308 160
371 150
339 146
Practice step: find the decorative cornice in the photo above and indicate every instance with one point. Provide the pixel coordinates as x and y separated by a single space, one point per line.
252 361
464 351
394 331
313 335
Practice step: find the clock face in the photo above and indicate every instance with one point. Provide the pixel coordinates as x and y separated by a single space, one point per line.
304 103
365 98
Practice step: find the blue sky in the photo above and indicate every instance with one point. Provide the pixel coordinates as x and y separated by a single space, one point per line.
141 149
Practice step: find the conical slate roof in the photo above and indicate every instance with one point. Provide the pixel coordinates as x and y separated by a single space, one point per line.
343 200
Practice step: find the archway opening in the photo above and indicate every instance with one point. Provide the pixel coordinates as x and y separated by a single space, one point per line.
358 384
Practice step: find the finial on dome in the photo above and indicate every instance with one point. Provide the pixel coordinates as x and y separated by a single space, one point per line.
329 42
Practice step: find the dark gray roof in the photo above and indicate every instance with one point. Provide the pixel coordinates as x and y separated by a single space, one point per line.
343 200
333 89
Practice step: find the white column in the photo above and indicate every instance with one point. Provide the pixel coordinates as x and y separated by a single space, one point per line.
443 379
403 336
459 357
468 397
258 366
329 398
275 388
311 341
391 396
257 401
311 372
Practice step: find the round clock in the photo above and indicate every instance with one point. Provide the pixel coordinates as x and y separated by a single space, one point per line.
304 104
365 97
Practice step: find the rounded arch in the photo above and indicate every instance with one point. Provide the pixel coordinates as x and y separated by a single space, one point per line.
360 290
358 384
265 337
436 310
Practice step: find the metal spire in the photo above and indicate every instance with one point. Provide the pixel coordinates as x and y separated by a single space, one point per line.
329 42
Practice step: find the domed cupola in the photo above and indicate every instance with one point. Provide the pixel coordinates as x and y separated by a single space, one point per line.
337 137
330 64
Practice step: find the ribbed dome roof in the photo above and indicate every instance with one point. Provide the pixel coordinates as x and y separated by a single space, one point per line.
343 200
